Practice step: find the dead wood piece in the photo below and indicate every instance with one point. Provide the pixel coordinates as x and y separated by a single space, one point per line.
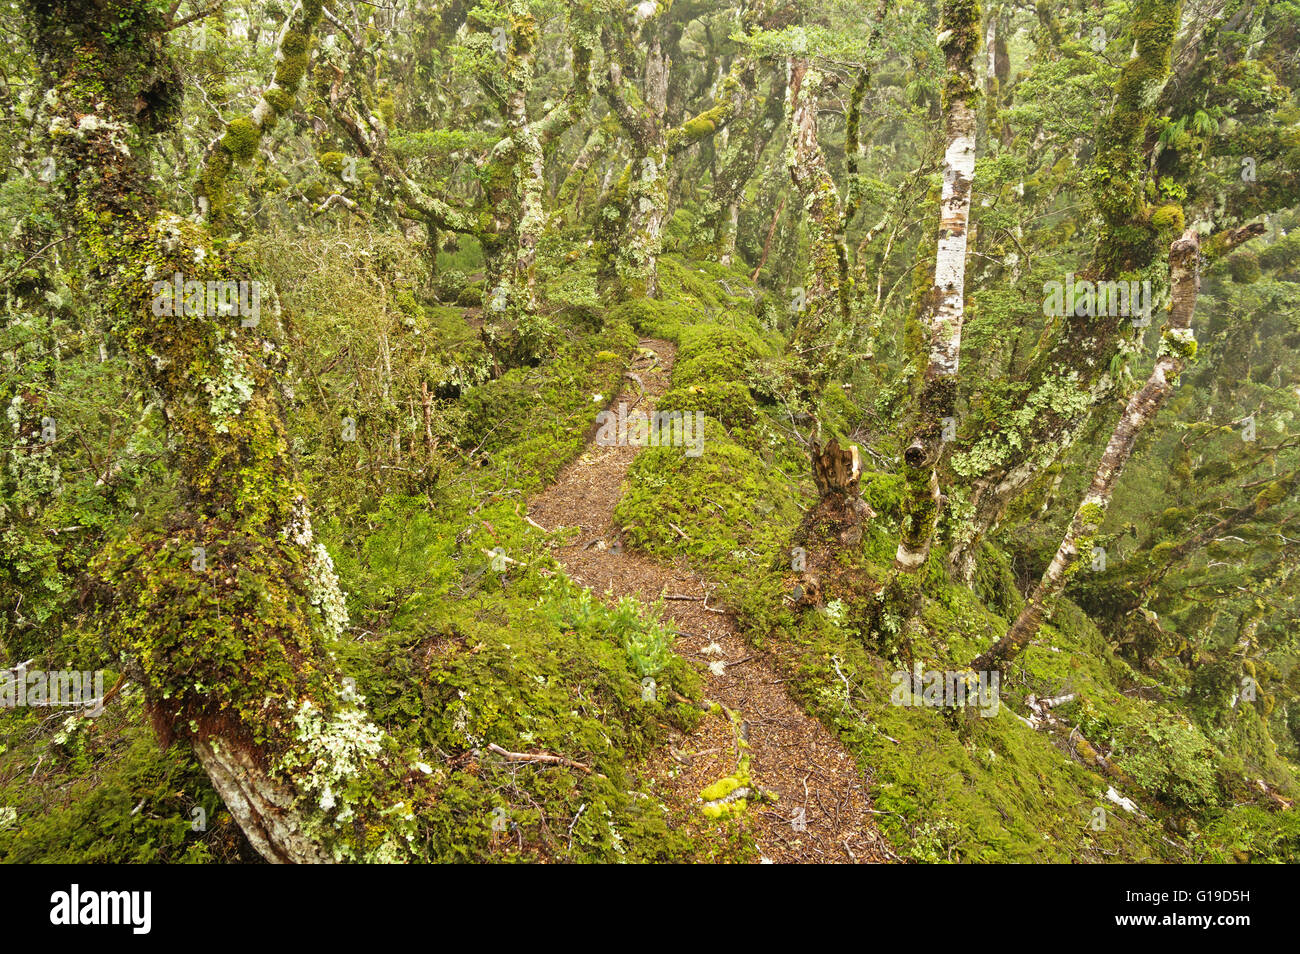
537 757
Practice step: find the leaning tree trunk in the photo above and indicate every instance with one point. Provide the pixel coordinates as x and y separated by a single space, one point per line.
643 206
1003 456
944 309
571 199
1177 345
223 616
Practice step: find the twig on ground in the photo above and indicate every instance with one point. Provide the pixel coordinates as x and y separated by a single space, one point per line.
538 757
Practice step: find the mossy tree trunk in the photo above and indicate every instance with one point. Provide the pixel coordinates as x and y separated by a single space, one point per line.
638 207
826 335
722 209
944 309
571 200
1069 377
824 329
223 616
824 318
1177 347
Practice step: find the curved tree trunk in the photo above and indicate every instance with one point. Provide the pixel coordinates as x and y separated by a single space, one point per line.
223 617
641 207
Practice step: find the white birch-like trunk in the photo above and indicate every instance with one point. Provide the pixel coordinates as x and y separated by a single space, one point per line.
941 318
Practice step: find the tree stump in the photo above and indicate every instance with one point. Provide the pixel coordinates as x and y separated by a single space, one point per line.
840 507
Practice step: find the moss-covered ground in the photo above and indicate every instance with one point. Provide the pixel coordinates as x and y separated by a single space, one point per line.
465 633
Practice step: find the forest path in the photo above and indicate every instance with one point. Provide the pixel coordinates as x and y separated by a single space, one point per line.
821 813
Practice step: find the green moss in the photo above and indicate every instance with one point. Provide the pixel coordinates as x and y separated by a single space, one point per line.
213 179
532 421
699 127
1091 516
294 62
1179 342
713 497
1253 835
1270 495
1168 218
654 318
241 139
206 666
332 162
281 100
531 662
106 793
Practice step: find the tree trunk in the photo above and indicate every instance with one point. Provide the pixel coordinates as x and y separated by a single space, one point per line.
840 509
223 617
745 149
823 323
1069 376
572 195
944 310
1177 346
643 208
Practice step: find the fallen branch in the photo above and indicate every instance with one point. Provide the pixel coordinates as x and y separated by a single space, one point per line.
539 757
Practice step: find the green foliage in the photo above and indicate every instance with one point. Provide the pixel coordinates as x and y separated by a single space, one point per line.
404 384
1253 835
1171 759
646 642
241 139
450 284
103 792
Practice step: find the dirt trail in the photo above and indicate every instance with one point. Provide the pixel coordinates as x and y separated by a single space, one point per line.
821 813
